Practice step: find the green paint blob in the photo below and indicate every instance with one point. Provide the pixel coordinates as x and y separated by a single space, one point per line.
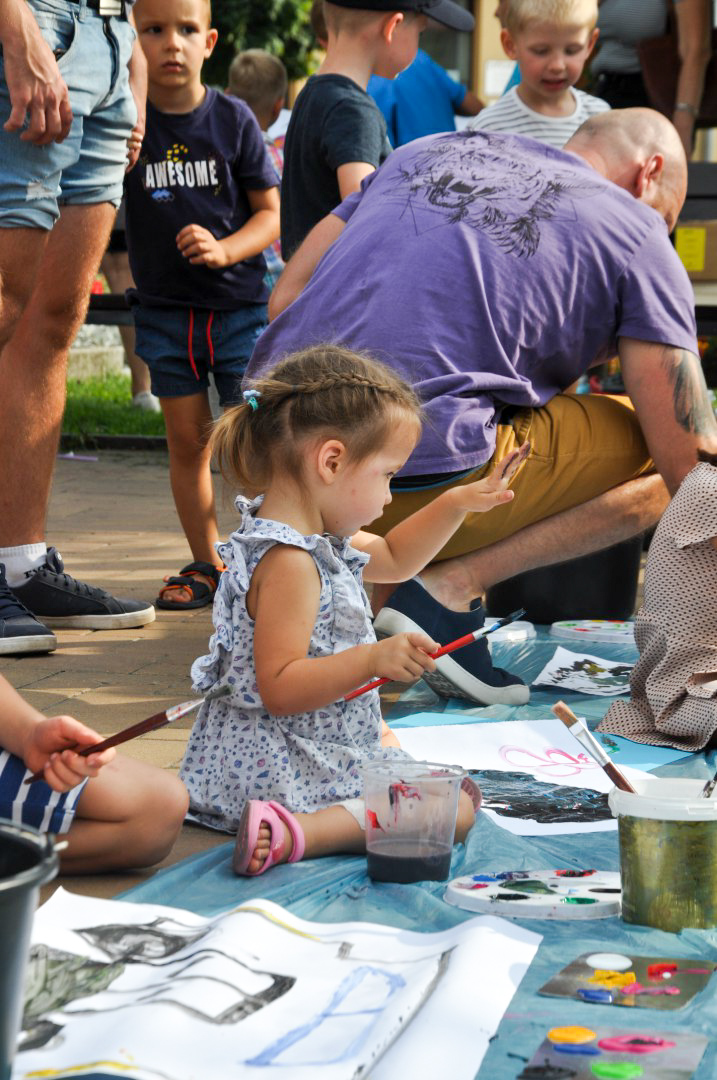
531 887
616 1070
578 900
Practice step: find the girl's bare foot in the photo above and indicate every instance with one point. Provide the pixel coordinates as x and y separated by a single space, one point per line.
263 844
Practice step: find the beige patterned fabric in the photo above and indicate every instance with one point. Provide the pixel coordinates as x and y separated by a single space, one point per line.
674 683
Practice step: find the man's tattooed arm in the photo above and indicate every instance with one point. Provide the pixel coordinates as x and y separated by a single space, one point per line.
693 409
672 404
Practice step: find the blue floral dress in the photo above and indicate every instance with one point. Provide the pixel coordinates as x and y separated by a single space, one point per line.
237 750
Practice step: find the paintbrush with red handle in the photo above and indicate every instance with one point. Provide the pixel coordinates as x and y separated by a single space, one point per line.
586 739
152 723
467 639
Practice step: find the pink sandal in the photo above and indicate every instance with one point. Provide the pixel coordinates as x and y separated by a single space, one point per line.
255 814
472 791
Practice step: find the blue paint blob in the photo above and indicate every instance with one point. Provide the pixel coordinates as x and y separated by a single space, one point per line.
603 996
576 1048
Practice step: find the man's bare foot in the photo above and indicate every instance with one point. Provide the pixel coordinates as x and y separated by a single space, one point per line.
263 844
449 583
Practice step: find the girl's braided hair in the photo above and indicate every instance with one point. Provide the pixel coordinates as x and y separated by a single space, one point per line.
325 390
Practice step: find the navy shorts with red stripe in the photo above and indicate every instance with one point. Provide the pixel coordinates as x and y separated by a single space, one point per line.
182 345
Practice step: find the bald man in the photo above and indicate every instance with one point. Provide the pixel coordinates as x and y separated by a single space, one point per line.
491 271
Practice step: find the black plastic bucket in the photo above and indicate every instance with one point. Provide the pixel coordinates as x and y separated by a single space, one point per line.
598 586
27 861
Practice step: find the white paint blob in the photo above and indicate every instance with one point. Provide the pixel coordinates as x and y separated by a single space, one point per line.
608 961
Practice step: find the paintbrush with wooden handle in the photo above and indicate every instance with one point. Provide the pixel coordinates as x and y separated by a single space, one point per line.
586 739
152 723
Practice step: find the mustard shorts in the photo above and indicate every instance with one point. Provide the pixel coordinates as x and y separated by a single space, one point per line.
582 445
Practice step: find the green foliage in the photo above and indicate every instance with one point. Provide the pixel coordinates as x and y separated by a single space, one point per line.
102 405
279 26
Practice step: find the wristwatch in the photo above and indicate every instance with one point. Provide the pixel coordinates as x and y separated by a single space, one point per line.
685 106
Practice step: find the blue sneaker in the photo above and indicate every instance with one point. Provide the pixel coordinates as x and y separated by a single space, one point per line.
467 673
59 600
20 631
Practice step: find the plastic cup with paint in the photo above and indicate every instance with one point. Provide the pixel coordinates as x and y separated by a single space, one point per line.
411 810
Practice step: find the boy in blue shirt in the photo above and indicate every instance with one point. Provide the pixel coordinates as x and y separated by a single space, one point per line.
422 100
202 204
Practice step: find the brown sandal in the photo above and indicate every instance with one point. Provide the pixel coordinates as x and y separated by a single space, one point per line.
201 593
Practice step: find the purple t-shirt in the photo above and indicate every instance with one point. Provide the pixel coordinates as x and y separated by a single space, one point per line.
489 270
195 168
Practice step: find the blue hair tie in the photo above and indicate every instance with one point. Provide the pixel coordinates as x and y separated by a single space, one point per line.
251 397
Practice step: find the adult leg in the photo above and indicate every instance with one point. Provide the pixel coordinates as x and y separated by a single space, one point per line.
33 368
588 483
607 519
115 266
21 250
128 816
189 422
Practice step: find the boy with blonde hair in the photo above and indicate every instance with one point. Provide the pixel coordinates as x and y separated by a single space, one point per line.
550 40
260 79
337 133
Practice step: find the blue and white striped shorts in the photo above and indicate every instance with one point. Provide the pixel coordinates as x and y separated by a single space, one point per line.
36 805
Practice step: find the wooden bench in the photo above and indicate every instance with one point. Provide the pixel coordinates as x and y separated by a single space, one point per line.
109 309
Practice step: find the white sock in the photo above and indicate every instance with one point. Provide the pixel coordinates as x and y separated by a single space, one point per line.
19 561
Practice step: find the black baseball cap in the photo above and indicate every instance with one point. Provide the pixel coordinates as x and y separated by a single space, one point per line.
443 11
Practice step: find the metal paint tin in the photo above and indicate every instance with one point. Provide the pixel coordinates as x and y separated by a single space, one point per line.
668 853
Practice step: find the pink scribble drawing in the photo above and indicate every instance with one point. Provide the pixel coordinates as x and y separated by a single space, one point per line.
552 762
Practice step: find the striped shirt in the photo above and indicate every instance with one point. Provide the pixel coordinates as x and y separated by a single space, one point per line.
623 24
36 805
509 113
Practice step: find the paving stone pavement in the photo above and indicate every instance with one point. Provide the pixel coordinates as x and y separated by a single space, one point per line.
114 522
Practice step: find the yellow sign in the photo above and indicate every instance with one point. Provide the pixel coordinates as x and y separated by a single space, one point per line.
691 244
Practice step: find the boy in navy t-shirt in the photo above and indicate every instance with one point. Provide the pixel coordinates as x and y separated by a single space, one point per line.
337 134
202 204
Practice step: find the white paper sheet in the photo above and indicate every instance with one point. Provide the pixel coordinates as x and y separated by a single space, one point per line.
542 749
585 674
156 993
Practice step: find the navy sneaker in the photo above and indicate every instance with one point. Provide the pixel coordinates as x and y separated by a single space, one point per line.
59 600
468 672
20 631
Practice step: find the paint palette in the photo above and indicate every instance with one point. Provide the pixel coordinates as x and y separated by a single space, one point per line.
539 894
648 982
619 632
582 1053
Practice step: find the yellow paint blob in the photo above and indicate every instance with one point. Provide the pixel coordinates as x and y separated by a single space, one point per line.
612 980
571 1035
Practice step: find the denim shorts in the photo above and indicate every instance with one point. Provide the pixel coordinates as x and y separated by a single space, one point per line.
180 346
89 165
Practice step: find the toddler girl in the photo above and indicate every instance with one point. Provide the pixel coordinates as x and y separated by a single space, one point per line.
278 759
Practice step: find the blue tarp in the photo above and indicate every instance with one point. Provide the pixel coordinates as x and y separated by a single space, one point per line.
337 889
